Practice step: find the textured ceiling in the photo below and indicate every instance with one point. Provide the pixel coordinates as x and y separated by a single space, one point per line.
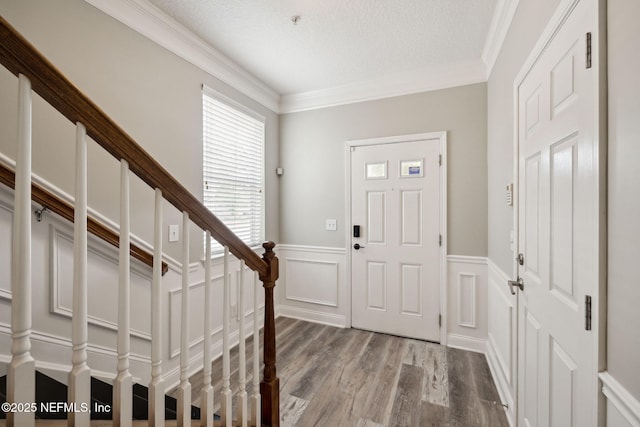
337 42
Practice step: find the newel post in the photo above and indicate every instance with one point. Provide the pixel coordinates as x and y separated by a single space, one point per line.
270 385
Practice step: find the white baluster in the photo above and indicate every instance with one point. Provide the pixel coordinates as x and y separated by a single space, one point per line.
242 359
225 410
123 386
21 371
206 409
156 388
184 389
80 375
256 410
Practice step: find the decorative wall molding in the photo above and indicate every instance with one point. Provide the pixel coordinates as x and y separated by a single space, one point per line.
466 259
467 300
496 278
426 80
6 250
54 340
296 269
501 337
175 298
63 233
504 391
151 22
311 249
620 398
312 284
500 23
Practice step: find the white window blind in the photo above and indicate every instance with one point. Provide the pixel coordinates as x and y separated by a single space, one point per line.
233 169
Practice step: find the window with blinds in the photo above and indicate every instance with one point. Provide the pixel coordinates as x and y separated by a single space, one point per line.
233 167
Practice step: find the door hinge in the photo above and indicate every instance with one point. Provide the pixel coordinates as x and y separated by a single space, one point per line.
587 310
440 240
439 159
440 320
588 50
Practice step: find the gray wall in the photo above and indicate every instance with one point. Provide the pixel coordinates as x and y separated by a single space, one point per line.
154 95
528 23
623 340
313 155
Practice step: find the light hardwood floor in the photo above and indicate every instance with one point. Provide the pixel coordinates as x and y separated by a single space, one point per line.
347 377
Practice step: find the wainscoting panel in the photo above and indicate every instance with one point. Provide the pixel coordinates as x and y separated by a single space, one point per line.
312 284
502 337
102 261
325 273
467 302
623 409
6 219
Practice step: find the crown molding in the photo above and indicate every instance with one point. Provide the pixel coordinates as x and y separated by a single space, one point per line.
500 23
441 77
151 22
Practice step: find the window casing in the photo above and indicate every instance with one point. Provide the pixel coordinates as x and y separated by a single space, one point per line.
233 166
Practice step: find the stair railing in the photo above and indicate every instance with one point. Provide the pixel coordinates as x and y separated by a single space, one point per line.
36 74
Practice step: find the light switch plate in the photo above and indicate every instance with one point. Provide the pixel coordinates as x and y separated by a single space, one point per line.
331 225
174 233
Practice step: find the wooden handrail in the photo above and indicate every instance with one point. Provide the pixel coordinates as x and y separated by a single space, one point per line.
65 210
20 57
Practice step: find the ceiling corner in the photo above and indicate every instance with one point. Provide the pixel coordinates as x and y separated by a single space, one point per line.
146 19
502 17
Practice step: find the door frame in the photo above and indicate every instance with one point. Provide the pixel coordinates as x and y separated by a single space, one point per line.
442 138
562 12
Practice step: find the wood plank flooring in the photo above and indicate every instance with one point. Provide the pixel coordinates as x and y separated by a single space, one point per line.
348 377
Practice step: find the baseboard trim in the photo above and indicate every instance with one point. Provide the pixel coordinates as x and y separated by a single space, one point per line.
503 388
621 398
462 342
313 316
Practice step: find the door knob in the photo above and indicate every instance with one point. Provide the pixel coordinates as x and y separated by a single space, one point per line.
516 283
357 246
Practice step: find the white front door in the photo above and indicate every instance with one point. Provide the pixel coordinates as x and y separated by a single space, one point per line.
395 261
558 229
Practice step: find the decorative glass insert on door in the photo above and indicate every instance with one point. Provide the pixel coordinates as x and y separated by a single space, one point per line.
376 170
411 168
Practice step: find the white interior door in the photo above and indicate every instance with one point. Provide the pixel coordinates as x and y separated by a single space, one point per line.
395 263
558 229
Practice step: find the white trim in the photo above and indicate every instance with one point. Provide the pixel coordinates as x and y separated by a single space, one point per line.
442 136
465 259
501 386
151 22
311 300
500 23
313 316
621 398
462 342
313 249
442 77
472 323
66 343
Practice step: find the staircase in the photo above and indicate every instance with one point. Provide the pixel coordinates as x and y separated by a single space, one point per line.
50 391
23 383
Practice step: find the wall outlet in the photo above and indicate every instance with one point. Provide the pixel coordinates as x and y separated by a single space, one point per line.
331 225
174 233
